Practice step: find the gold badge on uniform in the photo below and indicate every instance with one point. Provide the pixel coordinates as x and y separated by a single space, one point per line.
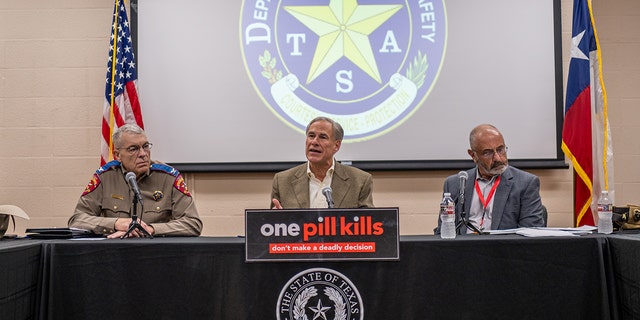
157 195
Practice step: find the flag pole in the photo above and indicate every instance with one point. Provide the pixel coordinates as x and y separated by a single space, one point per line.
605 106
113 75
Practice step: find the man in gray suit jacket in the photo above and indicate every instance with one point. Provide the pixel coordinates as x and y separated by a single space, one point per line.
496 196
301 186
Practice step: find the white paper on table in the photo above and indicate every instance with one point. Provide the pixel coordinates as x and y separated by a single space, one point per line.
545 232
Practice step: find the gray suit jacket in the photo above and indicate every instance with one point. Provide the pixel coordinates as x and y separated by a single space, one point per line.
516 203
351 187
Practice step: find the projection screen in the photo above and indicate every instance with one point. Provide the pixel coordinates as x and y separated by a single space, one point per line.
230 85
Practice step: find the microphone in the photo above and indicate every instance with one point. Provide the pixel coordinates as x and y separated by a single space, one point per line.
327 194
133 183
463 176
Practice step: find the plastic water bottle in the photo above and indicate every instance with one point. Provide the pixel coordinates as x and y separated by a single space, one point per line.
605 210
447 217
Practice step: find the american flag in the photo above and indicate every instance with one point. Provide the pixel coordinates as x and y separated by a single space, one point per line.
586 137
121 95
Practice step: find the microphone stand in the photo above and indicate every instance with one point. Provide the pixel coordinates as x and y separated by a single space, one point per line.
329 204
135 225
463 216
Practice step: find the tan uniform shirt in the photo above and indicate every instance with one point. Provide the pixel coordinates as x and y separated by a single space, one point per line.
166 203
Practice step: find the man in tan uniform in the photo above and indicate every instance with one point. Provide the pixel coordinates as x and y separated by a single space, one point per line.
105 206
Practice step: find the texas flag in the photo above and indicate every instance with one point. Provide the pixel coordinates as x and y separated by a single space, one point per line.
586 138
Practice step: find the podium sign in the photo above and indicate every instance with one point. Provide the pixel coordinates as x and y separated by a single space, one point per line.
321 234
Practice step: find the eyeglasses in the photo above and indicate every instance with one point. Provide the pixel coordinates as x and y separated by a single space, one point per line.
135 149
488 154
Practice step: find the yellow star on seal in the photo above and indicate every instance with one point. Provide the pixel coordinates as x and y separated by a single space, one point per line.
343 28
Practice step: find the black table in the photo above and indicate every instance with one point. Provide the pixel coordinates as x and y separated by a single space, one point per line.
19 278
471 277
625 250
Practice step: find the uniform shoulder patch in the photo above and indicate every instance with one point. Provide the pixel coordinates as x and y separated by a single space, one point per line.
178 183
181 186
95 179
93 184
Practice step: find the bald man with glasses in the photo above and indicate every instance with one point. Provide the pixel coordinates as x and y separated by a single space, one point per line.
105 206
496 196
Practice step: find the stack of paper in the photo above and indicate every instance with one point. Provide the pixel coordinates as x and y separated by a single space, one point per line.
547 232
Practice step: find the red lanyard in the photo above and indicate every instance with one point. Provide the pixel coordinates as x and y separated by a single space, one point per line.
485 202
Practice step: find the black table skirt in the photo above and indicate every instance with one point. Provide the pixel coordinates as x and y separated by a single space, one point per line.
625 250
471 277
20 277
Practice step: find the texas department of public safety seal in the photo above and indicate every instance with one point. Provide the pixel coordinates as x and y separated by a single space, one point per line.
319 293
367 64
